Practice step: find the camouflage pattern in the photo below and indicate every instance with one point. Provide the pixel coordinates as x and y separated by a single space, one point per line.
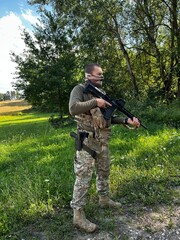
83 107
84 166
97 118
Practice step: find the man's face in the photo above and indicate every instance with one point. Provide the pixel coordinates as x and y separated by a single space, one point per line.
97 76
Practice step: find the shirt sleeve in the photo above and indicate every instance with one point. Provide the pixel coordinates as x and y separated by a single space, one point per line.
117 120
77 105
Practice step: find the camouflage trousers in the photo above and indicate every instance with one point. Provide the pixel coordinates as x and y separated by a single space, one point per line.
84 166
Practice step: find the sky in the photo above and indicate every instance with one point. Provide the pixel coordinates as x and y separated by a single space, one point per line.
15 15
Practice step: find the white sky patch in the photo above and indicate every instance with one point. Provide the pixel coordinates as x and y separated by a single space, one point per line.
28 15
11 27
10 40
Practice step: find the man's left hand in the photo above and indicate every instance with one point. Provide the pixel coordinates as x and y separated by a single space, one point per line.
135 122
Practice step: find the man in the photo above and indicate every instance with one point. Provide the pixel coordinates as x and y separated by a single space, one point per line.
96 131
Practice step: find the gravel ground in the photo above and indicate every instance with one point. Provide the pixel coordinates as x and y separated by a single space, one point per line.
161 224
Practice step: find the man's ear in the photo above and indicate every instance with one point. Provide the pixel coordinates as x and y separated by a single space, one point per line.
88 75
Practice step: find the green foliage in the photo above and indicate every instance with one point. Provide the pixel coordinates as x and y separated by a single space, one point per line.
164 113
45 70
59 121
139 53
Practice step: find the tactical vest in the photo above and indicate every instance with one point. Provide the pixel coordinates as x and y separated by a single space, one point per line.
85 123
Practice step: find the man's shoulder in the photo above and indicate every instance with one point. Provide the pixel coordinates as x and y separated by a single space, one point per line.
79 87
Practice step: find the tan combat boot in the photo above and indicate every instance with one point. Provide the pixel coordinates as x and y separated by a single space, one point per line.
80 221
105 201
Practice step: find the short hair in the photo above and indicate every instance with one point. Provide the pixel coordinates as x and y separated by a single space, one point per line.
89 68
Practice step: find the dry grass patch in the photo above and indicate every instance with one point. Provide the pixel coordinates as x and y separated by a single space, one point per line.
13 107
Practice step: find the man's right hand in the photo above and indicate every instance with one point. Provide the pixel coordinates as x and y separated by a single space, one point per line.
102 103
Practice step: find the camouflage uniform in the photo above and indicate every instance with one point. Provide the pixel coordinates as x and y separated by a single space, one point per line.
80 105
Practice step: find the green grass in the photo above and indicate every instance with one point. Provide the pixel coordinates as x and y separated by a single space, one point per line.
36 168
145 164
36 172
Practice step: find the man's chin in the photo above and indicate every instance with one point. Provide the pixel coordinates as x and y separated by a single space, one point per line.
98 84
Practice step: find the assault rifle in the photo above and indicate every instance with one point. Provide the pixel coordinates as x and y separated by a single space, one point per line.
116 104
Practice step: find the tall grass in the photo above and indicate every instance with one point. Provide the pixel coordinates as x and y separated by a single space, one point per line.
145 164
36 168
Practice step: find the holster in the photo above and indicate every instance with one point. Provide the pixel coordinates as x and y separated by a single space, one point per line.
79 139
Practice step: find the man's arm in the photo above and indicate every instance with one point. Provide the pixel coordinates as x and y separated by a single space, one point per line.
117 120
77 104
120 120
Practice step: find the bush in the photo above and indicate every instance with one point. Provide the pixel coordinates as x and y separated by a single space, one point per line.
164 113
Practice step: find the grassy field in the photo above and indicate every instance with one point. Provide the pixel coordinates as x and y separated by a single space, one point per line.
36 172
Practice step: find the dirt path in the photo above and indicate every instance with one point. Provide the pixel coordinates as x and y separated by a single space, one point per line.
133 222
136 223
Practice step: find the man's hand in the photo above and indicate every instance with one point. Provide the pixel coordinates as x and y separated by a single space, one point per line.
102 103
135 122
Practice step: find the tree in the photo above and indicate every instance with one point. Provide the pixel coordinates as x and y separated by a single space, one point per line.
95 24
136 42
155 24
45 70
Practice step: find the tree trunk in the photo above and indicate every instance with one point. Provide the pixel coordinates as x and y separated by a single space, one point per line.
121 45
177 35
178 90
175 46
